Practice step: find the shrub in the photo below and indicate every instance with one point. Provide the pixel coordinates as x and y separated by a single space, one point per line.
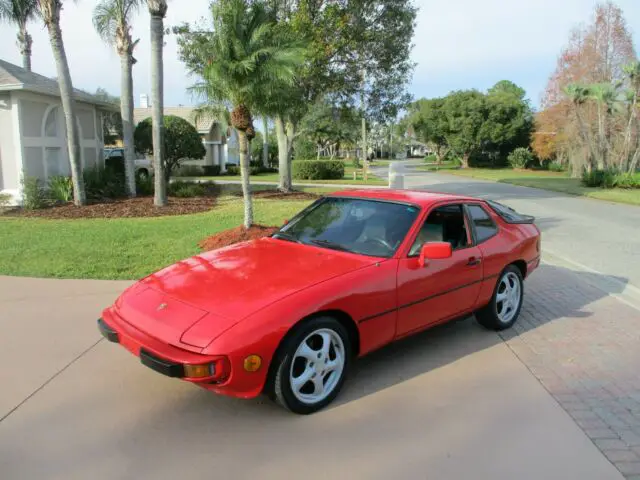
60 188
101 182
317 169
144 185
233 169
431 158
34 195
520 158
5 198
188 171
211 170
626 180
599 178
186 189
556 167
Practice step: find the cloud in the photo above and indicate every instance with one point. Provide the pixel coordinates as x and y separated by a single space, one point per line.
458 44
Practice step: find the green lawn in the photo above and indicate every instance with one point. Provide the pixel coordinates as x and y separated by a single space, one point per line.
554 181
273 177
127 248
435 168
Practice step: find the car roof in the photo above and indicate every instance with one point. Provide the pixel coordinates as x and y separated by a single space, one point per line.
423 198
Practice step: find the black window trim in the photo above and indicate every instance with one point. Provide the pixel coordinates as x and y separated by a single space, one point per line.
446 203
473 226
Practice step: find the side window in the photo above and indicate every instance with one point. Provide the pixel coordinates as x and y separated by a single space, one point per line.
484 226
444 224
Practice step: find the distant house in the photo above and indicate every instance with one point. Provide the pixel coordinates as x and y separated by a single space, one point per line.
221 144
33 132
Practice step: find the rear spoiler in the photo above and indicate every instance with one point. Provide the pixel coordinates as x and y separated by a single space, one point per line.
509 215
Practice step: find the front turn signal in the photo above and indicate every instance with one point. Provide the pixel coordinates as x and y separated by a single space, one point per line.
252 363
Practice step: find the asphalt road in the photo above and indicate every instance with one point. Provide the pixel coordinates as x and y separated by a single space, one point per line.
583 233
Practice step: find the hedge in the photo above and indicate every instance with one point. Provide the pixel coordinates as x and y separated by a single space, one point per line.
317 169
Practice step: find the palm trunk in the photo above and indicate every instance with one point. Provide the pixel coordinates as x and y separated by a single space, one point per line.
284 181
265 143
602 151
126 111
68 106
25 41
157 107
626 150
244 174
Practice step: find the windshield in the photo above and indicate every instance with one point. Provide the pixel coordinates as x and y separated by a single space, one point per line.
367 227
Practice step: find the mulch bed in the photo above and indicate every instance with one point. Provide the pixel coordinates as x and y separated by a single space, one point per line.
121 208
235 235
278 195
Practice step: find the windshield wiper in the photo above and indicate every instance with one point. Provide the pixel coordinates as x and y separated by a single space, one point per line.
286 236
331 245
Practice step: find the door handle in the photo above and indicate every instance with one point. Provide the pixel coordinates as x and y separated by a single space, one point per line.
473 261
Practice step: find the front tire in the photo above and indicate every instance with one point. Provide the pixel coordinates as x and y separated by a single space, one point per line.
504 309
312 365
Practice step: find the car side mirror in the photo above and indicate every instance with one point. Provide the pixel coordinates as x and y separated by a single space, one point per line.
434 251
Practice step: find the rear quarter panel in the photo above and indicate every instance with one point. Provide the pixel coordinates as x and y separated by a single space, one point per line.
512 243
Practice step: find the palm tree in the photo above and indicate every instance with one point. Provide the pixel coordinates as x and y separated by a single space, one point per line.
157 11
605 95
20 12
245 59
111 20
50 12
579 95
627 159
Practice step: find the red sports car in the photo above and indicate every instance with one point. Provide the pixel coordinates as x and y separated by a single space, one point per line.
287 314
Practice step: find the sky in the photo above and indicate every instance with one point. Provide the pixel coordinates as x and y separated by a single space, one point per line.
459 44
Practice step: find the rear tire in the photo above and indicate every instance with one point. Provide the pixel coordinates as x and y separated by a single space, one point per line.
312 365
504 309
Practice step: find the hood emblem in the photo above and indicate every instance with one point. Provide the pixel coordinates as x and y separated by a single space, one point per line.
162 306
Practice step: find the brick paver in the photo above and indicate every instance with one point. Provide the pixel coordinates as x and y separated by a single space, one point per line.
584 347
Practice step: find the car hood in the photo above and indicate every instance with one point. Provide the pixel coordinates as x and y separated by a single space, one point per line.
194 300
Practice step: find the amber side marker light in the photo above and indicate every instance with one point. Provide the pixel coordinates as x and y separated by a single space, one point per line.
199 371
252 363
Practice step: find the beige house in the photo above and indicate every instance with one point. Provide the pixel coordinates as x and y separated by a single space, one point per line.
221 144
33 131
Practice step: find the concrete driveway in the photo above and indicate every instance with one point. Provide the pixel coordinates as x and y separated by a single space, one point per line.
457 402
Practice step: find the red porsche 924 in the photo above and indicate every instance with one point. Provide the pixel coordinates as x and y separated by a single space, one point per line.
287 314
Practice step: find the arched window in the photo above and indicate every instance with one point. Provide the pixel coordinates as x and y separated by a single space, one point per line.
51 123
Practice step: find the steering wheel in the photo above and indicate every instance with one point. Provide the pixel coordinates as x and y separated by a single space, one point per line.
382 242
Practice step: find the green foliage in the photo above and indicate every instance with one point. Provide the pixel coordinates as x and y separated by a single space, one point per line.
328 125
144 185
5 198
34 195
318 169
60 188
188 171
303 148
185 189
101 183
627 181
430 158
556 167
181 141
521 158
599 178
482 128
211 170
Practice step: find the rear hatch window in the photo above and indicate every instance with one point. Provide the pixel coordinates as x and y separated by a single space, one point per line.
508 214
